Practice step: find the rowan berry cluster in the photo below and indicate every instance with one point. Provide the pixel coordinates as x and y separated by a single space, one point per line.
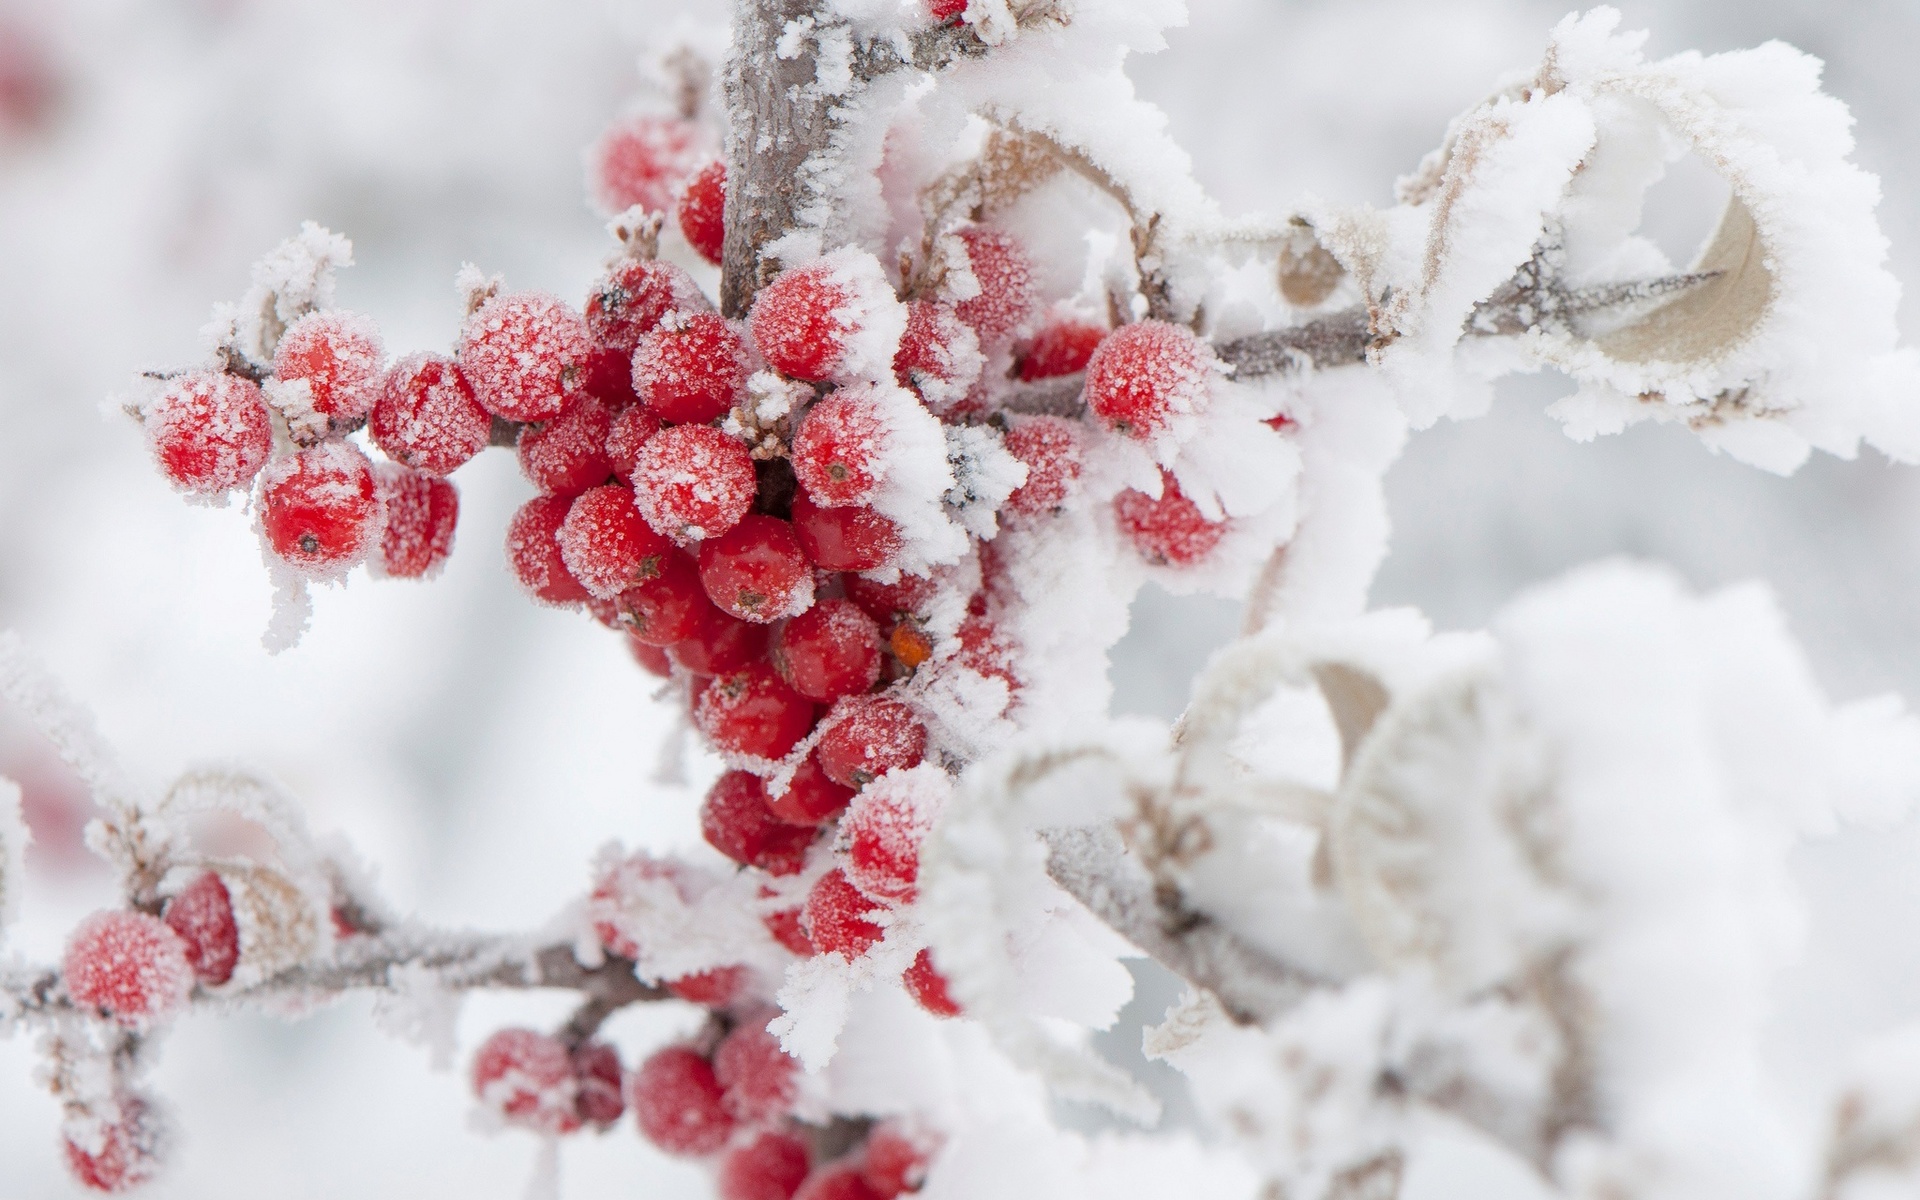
791 514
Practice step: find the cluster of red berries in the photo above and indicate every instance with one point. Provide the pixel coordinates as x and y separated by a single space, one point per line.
728 1098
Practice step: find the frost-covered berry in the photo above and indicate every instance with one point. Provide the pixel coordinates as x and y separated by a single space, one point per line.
568 455
1063 346
908 596
326 372
533 552
770 1167
836 917
839 451
1170 531
670 607
896 1160
786 927
986 650
652 659
606 544
632 427
526 355
871 735
690 368
419 511
753 712
693 482
757 570
426 416
635 297
209 432
677 1103
703 211
851 537
717 988
928 986
757 1074
722 645
1050 448
939 354
599 1084
802 321
811 798
946 10
202 914
910 644
1144 375
641 160
829 651
881 832
1000 266
118 1155
527 1079
129 964
841 1181
319 508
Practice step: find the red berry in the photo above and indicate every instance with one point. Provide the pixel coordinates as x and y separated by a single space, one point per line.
677 1103
1050 447
121 1154
800 321
1170 530
1144 375
836 917
985 650
1005 275
770 1167
130 964
829 651
722 645
1062 347
693 482
927 985
690 369
882 831
642 160
871 735
599 1084
209 432
427 416
319 508
326 372
736 822
785 927
939 354
420 512
609 377
703 211
895 1161
715 989
632 426
752 712
568 455
757 1074
605 543
527 1078
811 798
851 537
526 355
839 1182
652 659
838 453
533 552
632 881
945 10
909 596
635 296
671 607
202 914
756 570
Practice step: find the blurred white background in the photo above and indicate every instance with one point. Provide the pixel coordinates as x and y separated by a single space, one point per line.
478 750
